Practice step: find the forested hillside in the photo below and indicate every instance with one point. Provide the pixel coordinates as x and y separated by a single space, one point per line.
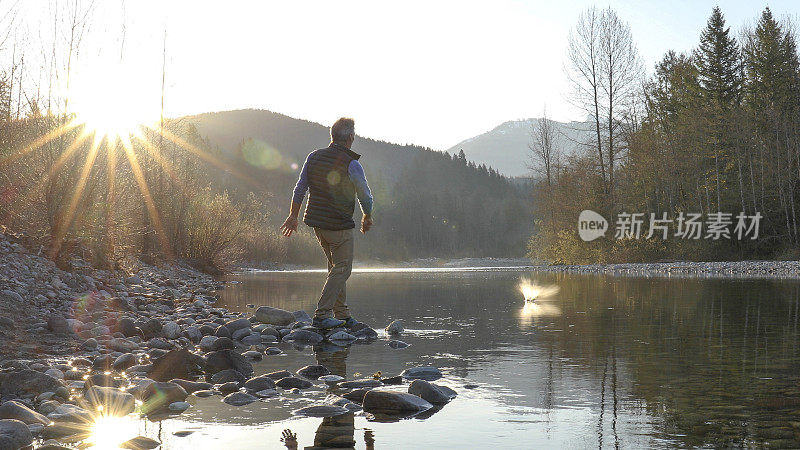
715 130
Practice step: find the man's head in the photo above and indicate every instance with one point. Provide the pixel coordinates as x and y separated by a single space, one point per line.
343 131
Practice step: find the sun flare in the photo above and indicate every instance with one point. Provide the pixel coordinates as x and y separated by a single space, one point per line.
532 291
113 103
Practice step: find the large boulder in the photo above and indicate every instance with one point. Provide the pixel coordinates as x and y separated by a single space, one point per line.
274 316
433 393
14 434
113 402
227 359
18 411
27 382
177 363
394 402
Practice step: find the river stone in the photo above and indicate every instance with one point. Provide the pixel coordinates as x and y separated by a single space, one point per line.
14 434
124 361
58 324
159 394
366 333
223 343
27 382
140 443
55 373
227 359
178 407
321 411
363 383
422 373
113 401
103 363
171 330
293 383
239 399
395 344
222 331
266 393
177 363
122 345
128 327
227 388
277 375
301 316
18 411
331 380
272 351
193 334
237 324
313 372
269 331
274 316
252 339
89 344
241 333
253 355
432 393
70 413
227 376
259 383
341 336
303 337
204 393
207 343
393 402
191 386
343 402
396 327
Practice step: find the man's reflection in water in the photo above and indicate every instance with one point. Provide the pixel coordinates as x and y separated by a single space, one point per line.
339 431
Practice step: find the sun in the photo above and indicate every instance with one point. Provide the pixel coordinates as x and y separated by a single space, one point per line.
114 103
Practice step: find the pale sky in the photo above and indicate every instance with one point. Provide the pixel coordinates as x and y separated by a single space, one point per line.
425 72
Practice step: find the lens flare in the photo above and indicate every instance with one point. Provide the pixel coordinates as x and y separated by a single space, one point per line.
532 291
109 432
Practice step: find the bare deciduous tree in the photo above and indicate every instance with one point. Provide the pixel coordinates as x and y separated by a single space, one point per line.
545 154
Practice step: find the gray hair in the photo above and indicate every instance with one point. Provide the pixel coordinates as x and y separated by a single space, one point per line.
342 129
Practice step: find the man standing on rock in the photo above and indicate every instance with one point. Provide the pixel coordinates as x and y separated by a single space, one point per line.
333 178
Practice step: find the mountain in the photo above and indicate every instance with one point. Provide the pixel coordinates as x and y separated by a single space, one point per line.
428 203
505 147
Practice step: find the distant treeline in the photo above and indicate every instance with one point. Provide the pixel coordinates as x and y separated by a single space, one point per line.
714 130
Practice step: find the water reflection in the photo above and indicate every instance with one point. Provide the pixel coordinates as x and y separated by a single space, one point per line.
628 362
337 431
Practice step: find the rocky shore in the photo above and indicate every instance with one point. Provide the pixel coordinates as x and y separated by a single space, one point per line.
81 345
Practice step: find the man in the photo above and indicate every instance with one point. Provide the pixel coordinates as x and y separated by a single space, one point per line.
333 178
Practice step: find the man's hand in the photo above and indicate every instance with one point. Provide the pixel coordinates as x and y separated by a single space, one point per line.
366 223
289 226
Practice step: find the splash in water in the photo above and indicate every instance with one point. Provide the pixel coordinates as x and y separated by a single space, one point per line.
532 291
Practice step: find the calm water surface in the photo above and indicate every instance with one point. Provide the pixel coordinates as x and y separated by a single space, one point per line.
607 362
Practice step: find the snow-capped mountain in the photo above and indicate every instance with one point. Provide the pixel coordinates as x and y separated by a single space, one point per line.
506 146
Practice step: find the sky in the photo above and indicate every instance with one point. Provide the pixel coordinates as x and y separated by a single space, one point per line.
430 72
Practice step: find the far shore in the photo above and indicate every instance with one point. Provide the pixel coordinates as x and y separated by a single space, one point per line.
690 269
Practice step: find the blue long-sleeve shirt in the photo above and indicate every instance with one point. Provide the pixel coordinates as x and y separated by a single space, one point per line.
357 176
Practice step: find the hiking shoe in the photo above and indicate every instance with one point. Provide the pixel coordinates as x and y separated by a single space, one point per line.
325 324
350 322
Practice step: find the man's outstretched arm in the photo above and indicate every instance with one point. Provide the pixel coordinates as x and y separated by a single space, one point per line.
290 224
359 179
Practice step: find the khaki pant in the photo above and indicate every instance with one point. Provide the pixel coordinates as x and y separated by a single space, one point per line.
338 248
